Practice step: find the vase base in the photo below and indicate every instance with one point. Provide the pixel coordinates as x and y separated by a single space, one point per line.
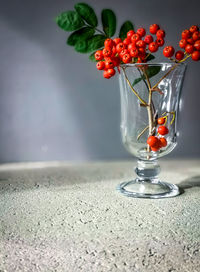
148 189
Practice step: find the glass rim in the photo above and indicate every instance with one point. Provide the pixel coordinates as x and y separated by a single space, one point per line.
152 63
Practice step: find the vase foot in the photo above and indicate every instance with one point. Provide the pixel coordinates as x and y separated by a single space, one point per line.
148 189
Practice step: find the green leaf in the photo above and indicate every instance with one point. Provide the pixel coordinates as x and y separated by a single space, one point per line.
90 45
87 13
96 42
92 57
81 34
150 57
125 28
109 22
69 20
151 71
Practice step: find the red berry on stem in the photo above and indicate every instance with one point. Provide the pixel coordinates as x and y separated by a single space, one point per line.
161 120
153 47
160 42
126 41
98 55
189 48
100 65
183 43
163 130
194 28
131 46
186 34
106 74
152 141
153 28
108 43
168 51
107 52
141 43
117 40
197 45
179 55
148 39
130 33
141 31
134 53
190 41
160 34
111 72
109 63
136 37
126 58
196 55
120 47
196 36
123 52
163 142
142 51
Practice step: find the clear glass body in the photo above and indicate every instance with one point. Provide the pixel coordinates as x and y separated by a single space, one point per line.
149 91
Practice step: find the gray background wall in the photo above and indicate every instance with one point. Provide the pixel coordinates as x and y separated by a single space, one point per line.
54 105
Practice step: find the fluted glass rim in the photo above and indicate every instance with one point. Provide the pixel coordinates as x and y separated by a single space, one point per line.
152 63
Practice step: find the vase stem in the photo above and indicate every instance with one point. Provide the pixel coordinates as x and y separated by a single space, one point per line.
147 170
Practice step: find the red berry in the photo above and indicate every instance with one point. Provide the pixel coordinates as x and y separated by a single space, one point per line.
126 58
141 43
160 34
111 72
163 130
131 46
109 63
196 55
163 142
189 48
161 120
126 41
116 61
117 40
179 55
153 28
141 31
194 28
168 51
98 55
190 41
139 60
114 51
155 149
134 53
152 141
100 65
148 39
196 36
108 43
197 45
107 52
186 34
123 52
120 47
135 37
130 33
183 43
142 51
106 74
160 42
153 47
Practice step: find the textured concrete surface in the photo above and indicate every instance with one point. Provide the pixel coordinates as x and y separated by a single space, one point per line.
62 217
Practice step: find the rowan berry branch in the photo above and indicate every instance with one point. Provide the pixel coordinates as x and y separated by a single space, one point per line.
134 91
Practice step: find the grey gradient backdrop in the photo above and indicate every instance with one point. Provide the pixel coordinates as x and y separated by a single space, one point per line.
54 105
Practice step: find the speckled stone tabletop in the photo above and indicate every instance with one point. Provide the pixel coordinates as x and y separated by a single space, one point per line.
59 216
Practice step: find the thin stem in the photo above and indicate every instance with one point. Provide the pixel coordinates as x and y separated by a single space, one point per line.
173 67
134 91
142 132
98 30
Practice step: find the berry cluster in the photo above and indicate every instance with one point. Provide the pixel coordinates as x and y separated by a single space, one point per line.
156 143
135 48
190 42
